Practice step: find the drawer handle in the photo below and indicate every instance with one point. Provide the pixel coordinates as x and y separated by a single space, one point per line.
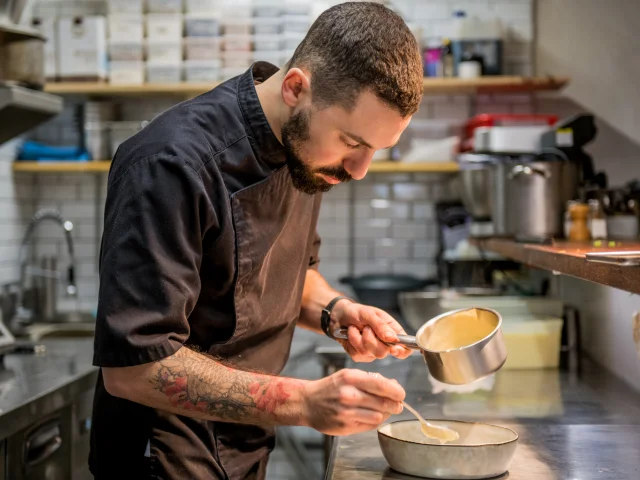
41 444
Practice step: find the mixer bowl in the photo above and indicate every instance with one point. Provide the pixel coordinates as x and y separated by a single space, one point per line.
476 186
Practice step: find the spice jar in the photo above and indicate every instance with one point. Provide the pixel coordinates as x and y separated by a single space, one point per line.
579 231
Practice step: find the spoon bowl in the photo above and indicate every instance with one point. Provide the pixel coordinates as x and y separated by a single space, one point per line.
435 432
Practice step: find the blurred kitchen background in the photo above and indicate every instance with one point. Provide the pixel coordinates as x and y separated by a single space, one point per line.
529 131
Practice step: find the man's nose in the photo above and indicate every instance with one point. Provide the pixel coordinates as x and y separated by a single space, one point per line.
357 166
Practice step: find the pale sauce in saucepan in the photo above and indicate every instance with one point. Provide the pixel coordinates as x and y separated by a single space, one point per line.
459 330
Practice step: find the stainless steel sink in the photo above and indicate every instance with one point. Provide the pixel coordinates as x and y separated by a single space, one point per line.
76 325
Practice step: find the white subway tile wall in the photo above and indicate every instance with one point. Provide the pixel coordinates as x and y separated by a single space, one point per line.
391 231
16 208
394 214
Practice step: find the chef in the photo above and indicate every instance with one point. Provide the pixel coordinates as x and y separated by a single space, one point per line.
209 258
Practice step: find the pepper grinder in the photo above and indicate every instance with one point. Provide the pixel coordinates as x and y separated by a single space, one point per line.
579 231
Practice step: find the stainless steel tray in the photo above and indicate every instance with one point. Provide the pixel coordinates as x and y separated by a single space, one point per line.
623 259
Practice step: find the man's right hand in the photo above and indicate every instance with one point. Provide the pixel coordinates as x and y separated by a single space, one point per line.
351 401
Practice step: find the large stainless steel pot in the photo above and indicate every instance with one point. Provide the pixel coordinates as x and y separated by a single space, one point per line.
536 195
22 62
459 347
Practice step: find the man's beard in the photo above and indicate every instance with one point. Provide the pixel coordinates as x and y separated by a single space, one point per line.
294 133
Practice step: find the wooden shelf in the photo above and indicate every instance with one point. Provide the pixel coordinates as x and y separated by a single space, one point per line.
569 258
413 167
62 167
103 167
106 89
491 84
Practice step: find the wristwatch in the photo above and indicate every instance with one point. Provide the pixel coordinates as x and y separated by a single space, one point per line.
325 318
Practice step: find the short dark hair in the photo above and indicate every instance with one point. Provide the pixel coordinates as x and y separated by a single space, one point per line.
356 46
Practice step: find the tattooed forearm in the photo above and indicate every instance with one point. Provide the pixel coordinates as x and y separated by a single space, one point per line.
194 382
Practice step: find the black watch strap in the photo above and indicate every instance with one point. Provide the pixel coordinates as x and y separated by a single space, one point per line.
325 318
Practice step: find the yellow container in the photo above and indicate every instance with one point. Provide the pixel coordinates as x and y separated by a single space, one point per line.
532 342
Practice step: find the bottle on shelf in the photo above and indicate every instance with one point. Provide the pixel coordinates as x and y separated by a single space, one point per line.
597 220
446 57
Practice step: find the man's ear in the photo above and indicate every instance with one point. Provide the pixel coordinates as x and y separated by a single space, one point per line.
296 86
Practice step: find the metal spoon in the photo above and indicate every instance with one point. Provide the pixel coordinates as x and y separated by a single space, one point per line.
436 432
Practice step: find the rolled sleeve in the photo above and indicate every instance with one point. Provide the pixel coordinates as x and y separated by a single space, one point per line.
155 217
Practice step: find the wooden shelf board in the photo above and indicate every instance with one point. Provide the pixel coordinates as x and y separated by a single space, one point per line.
569 258
413 167
489 84
494 84
62 167
103 166
97 88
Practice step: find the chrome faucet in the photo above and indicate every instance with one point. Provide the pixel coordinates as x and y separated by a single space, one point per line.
24 316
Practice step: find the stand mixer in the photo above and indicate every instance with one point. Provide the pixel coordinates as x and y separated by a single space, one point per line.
518 186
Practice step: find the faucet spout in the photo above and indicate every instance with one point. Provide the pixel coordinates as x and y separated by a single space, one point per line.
24 315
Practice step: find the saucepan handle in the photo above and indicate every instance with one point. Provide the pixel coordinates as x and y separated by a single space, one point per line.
408 341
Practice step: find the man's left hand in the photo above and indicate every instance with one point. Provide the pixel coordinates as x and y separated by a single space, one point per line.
367 326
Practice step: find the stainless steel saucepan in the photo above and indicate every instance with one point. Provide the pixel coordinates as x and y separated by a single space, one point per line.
459 347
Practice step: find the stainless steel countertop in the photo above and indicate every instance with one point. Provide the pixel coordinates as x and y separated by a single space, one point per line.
571 426
34 385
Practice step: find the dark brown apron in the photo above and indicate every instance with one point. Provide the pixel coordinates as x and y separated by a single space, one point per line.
275 230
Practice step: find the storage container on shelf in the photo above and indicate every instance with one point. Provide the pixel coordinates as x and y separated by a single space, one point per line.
48 29
236 9
267 8
126 51
237 43
296 23
164 73
290 41
288 53
202 70
237 59
237 25
267 42
202 48
202 6
126 27
165 6
162 51
480 37
201 25
276 58
129 72
125 6
267 25
162 26
297 7
82 48
119 132
230 72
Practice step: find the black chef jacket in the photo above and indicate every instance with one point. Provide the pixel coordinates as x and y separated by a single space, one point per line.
206 243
